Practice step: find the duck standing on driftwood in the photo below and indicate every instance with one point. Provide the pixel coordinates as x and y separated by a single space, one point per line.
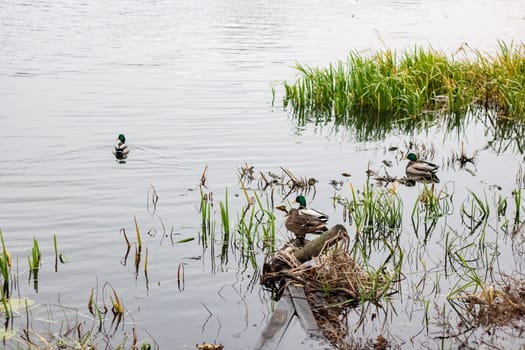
309 211
421 169
301 224
121 150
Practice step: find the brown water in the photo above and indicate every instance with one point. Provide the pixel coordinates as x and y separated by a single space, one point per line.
189 83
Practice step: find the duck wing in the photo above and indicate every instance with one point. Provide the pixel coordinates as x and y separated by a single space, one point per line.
422 171
421 168
311 224
313 213
303 224
429 165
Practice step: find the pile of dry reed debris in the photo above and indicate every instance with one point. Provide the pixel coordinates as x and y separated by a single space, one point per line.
333 282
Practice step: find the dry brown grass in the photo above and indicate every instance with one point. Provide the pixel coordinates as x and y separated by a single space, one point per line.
334 284
497 307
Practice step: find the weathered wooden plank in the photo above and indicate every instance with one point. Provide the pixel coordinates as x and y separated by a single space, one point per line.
304 312
277 325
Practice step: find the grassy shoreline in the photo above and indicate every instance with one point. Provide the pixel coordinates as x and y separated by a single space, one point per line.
412 84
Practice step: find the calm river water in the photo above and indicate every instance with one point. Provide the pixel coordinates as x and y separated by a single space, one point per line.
190 84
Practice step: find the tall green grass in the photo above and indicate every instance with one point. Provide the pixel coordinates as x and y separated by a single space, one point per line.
34 259
5 268
252 231
225 219
518 199
34 263
377 213
475 212
255 228
207 221
411 84
429 206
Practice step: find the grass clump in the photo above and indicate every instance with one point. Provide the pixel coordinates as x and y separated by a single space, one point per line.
334 282
491 305
410 85
376 212
430 205
5 269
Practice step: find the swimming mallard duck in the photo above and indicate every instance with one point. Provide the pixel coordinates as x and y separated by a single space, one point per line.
421 169
309 211
121 150
301 224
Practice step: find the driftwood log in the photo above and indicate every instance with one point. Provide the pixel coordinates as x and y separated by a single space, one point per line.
315 247
291 256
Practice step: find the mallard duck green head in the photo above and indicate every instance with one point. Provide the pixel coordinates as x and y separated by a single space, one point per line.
412 156
301 200
122 138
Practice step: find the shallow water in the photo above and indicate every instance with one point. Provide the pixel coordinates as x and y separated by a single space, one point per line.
189 83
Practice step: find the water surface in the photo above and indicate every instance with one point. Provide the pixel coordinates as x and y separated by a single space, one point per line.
189 83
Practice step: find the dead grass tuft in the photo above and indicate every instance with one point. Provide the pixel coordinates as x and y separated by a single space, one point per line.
497 307
334 283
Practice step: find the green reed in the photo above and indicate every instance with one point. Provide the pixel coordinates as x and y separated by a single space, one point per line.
475 212
411 84
225 216
34 259
382 281
5 261
267 223
516 196
470 277
503 203
247 225
501 206
56 252
137 232
469 267
207 221
255 227
34 263
5 268
247 230
225 219
471 257
504 79
473 272
429 207
377 213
